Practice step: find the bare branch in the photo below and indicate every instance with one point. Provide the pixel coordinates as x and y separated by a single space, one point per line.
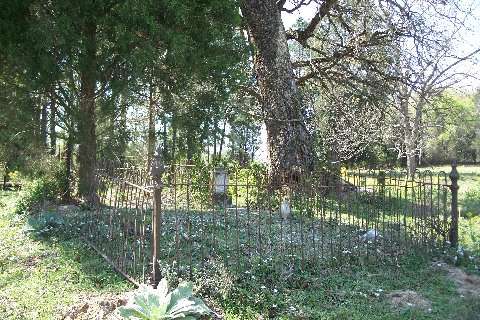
303 35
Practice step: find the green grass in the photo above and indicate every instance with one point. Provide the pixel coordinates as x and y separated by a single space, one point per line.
469 205
41 276
469 183
353 293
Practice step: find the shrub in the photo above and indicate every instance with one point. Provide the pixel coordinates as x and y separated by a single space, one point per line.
469 232
156 304
46 186
471 203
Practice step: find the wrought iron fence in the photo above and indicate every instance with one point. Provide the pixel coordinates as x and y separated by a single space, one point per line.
184 217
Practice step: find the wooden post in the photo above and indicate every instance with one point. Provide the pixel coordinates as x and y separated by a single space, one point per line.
454 176
156 172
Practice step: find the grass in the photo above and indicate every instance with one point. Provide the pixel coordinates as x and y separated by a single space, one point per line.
469 205
322 227
41 276
469 184
354 293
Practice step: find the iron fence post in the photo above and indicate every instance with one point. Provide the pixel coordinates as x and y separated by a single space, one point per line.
156 172
454 176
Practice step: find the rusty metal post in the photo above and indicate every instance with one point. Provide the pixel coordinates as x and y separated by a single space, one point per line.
454 176
156 172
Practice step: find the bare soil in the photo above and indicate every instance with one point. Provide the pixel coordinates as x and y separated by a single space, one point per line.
467 284
97 307
409 299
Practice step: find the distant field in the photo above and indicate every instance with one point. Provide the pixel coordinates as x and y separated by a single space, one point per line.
469 192
469 176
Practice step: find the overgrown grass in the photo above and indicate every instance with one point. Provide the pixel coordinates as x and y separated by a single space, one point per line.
40 276
43 272
351 292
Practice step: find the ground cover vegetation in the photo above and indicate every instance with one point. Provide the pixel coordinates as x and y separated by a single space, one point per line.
361 92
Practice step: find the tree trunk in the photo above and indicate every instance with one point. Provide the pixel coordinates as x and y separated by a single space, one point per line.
151 140
43 125
411 164
53 123
215 129
174 138
222 139
165 140
290 145
5 176
122 129
86 127
68 168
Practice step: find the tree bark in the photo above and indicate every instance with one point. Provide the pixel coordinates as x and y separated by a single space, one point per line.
53 123
289 143
222 138
151 140
165 139
87 150
43 125
174 138
5 176
68 168
122 129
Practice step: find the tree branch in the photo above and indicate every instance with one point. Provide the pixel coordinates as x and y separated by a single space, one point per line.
303 35
298 6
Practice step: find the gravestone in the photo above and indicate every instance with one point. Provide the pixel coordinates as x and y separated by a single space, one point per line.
220 188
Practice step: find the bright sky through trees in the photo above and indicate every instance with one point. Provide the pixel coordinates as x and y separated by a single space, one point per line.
470 38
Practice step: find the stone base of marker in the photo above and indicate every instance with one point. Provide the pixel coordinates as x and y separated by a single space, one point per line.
221 200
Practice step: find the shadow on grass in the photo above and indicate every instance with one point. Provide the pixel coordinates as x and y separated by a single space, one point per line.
82 264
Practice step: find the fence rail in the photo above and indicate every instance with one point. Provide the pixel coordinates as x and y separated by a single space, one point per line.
183 218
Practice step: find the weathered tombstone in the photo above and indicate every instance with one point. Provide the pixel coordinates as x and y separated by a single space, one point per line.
370 235
220 187
220 181
285 209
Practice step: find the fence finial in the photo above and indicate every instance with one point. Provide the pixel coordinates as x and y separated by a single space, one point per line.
454 176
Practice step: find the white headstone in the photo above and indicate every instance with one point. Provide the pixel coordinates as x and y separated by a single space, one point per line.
220 182
285 209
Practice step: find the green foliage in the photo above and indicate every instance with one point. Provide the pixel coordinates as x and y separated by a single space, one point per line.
49 185
469 233
215 280
244 136
453 133
471 203
156 304
250 188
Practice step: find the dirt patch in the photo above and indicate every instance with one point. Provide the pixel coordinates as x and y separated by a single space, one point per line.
467 284
103 308
408 299
98 308
32 261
